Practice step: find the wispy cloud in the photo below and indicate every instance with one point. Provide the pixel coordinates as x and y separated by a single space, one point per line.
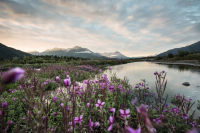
134 27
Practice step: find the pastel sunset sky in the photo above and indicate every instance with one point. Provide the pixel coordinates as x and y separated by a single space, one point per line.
133 27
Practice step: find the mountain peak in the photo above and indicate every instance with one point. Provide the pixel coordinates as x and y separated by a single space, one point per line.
76 47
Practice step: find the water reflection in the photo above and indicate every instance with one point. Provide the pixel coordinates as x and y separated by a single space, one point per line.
176 75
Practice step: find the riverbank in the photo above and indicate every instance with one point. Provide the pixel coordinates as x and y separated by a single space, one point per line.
195 63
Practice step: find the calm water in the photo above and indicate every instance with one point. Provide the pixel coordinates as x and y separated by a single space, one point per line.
176 75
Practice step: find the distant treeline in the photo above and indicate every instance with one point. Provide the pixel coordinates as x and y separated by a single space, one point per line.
182 55
37 61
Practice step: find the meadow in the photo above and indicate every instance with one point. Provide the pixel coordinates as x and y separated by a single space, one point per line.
74 95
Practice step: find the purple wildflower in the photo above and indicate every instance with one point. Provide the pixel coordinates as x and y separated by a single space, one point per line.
67 81
125 113
91 124
88 105
112 88
155 73
111 121
62 104
97 124
14 98
57 79
142 109
157 121
10 122
55 99
100 104
4 104
131 130
78 119
52 130
13 75
112 110
1 113
194 130
55 113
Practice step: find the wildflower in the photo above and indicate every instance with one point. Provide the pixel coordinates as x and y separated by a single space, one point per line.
91 124
176 110
78 119
10 122
185 116
55 113
100 104
67 81
62 104
194 124
142 109
112 88
68 108
157 121
4 104
134 101
1 113
55 99
14 98
111 121
125 113
57 79
97 124
13 75
52 130
131 130
112 110
194 130
89 105
44 117
155 73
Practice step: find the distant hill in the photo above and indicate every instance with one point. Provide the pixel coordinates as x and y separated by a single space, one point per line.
115 55
8 52
73 52
193 48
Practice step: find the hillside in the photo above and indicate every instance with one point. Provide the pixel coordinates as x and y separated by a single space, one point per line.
8 52
193 48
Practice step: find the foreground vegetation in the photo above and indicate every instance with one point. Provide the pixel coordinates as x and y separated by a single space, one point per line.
67 98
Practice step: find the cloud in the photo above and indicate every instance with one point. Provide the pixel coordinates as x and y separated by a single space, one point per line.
135 28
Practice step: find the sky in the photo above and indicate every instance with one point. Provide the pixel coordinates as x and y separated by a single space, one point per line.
133 27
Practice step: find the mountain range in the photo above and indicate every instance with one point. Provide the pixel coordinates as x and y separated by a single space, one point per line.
193 48
78 51
8 52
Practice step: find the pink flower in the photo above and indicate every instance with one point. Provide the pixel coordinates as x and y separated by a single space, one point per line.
1 113
78 119
112 110
89 105
194 130
91 124
125 113
131 130
111 121
110 127
67 81
142 109
57 79
13 75
100 104
4 104
97 124
62 104
10 122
